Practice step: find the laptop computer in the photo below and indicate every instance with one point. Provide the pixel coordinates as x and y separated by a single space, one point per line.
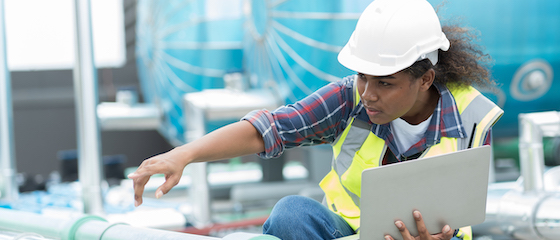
447 189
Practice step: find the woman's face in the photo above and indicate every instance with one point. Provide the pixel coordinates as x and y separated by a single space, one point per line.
386 98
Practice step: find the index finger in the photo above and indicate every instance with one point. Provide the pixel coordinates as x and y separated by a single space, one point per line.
403 230
139 179
138 182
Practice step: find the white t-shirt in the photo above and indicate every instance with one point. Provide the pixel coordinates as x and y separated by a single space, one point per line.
407 134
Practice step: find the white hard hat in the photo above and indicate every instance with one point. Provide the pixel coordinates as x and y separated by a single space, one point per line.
391 35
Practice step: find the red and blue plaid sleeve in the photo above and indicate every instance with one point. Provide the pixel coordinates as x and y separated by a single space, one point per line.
488 138
318 118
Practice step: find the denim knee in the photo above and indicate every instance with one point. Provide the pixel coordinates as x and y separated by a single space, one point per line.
289 210
296 216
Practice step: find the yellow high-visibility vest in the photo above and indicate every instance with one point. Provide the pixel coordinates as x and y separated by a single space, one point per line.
357 149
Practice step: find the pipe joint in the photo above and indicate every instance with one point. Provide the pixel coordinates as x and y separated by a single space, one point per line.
517 214
547 217
72 228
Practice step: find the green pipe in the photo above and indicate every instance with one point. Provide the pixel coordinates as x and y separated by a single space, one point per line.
509 148
22 236
95 230
119 232
64 229
72 231
249 236
88 227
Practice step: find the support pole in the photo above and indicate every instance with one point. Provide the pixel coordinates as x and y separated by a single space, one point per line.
90 169
8 184
199 191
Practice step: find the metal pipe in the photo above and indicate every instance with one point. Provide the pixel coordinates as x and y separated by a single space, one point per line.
85 90
531 210
8 184
516 213
521 215
531 156
547 218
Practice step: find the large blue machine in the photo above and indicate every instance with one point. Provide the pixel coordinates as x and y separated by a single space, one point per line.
291 46
523 39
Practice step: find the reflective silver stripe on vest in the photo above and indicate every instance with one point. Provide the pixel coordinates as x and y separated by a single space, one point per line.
479 107
359 131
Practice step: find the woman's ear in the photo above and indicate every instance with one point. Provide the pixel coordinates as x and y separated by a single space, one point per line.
427 79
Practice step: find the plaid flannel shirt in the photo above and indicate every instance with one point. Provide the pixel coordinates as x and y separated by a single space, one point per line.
322 116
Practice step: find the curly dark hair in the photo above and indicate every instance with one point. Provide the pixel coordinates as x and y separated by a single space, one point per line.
463 64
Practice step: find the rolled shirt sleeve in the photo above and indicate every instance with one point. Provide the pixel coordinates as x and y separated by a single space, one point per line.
317 119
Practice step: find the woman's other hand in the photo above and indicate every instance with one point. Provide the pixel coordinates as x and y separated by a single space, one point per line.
445 234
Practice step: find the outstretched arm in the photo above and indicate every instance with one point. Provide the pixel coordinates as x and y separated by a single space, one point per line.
233 140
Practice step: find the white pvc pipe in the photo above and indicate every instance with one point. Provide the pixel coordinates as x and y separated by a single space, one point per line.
90 169
8 184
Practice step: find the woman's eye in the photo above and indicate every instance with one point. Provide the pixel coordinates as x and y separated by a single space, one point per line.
384 83
361 75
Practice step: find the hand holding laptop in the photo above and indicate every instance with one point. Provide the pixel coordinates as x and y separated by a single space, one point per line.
449 189
445 234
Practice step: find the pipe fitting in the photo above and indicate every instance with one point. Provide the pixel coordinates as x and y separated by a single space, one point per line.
547 217
72 227
530 208
516 214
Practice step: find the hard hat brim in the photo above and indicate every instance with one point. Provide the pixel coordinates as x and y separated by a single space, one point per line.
354 63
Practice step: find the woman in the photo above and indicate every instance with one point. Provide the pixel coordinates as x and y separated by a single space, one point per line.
412 97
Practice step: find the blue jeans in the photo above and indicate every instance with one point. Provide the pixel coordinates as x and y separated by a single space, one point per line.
298 217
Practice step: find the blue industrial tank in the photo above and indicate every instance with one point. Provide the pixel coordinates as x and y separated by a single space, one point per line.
291 46
523 38
182 47
294 44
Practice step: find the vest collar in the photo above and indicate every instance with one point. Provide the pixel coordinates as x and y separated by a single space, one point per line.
446 122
